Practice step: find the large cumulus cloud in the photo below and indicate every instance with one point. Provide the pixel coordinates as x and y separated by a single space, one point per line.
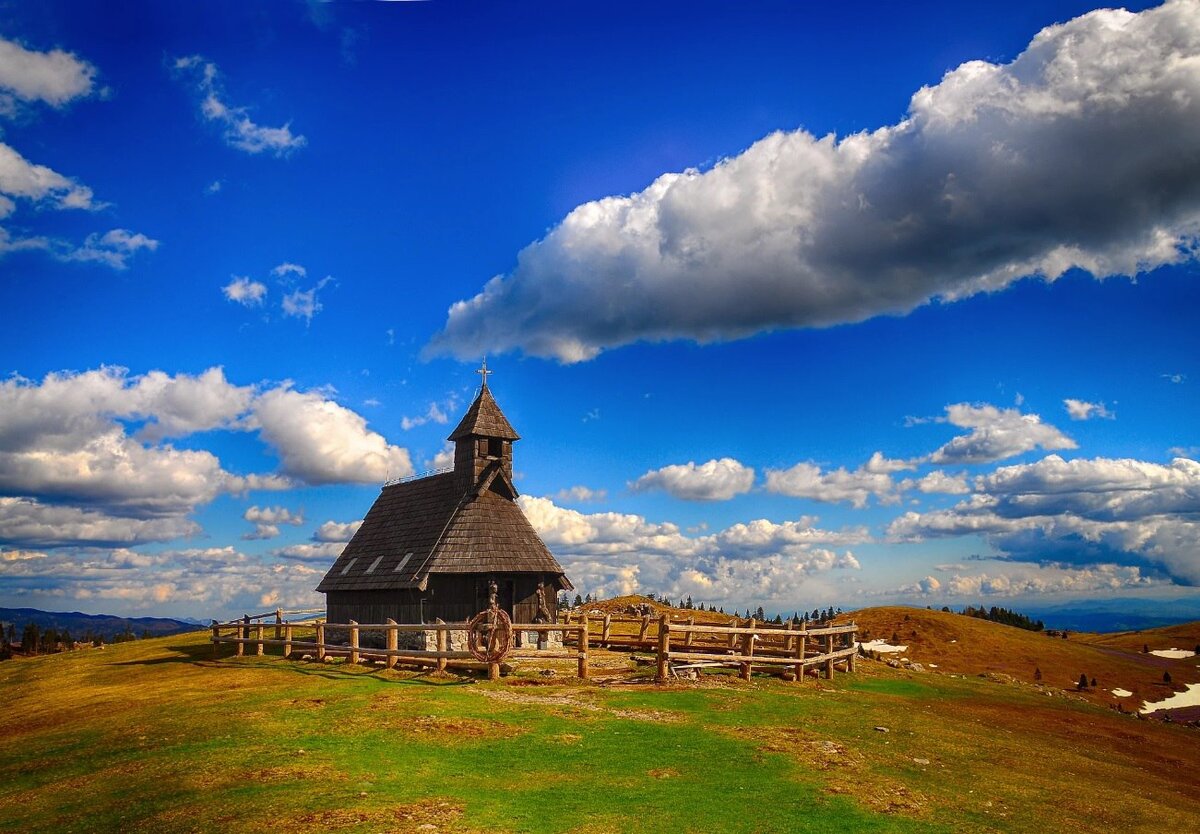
1083 152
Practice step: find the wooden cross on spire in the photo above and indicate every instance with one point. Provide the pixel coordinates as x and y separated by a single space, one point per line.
483 372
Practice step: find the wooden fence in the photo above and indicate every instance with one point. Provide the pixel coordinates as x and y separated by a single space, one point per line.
246 632
677 644
680 643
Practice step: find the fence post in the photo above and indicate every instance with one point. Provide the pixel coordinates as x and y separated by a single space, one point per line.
441 642
583 648
258 633
278 622
393 640
287 640
748 651
829 659
664 647
853 638
353 642
733 637
244 634
605 631
800 651
687 635
320 641
788 639
644 628
215 638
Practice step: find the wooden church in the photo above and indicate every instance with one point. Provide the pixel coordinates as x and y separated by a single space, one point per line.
430 547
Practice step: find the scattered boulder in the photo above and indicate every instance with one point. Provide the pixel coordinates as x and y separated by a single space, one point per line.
882 730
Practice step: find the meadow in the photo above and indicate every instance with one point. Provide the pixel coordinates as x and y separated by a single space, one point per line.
158 736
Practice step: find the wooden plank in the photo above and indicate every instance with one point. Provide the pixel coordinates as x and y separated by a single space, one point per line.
393 641
320 647
353 642
287 640
748 651
442 645
582 671
664 648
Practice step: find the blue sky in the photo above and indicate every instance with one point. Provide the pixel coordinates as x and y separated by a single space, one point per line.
793 305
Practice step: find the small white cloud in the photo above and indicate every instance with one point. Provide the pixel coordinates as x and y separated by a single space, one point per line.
1177 379
240 131
1083 410
113 248
581 494
334 531
808 480
242 290
716 480
304 304
436 413
286 270
55 77
995 434
214 187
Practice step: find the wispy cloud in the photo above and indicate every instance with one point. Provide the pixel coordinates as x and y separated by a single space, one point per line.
240 131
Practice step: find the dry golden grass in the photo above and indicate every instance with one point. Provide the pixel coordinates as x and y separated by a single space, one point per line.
954 643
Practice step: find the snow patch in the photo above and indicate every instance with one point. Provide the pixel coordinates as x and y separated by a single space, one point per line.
1174 654
1121 693
881 646
932 665
1190 697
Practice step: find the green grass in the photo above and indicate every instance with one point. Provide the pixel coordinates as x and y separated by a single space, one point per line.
156 737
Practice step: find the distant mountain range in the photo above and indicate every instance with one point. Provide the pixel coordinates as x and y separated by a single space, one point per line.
101 625
1108 615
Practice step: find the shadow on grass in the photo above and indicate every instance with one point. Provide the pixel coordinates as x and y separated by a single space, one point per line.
201 655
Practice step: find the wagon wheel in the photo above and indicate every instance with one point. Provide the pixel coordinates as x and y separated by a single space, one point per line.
489 634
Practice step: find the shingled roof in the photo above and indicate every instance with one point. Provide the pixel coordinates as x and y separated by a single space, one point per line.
484 419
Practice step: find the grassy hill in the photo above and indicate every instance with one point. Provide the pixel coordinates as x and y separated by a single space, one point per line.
156 736
960 644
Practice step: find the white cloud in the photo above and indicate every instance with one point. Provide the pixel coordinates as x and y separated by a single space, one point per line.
303 304
759 560
215 581
444 459
324 553
266 521
35 524
240 131
716 480
334 531
244 291
581 494
82 457
23 179
807 480
55 78
938 481
436 413
1084 512
287 272
114 248
1083 410
996 433
997 172
1031 581
321 442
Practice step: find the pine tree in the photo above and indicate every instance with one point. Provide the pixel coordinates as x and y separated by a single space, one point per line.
29 638
1166 677
1145 648
1037 673
1082 682
688 602
760 615
1093 683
